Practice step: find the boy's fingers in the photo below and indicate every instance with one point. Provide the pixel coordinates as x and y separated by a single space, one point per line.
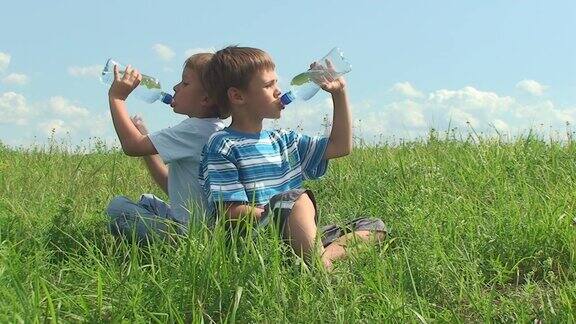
330 65
137 80
127 72
116 72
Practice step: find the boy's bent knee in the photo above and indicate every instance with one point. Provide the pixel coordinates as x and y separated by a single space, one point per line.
117 205
304 201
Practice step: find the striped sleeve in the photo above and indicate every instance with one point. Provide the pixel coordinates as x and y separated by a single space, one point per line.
311 151
219 177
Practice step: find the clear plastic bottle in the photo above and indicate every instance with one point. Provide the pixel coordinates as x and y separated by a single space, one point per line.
149 89
304 86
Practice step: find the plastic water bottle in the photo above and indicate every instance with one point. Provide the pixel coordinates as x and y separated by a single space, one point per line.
148 90
304 86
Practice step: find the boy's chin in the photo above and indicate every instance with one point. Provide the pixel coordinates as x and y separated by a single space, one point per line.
176 111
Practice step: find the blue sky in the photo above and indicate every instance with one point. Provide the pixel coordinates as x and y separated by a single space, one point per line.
505 65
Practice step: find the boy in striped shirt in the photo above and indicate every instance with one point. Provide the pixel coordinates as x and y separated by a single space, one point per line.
250 172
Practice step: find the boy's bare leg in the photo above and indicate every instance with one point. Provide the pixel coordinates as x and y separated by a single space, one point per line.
337 249
301 229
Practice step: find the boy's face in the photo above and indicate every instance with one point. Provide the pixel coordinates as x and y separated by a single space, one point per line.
188 94
263 95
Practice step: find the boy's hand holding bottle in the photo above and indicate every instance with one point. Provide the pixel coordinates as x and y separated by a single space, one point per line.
324 74
328 78
131 80
124 83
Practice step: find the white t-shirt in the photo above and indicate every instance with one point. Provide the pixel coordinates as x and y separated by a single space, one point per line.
180 147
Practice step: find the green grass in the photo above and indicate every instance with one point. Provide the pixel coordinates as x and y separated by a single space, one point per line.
481 231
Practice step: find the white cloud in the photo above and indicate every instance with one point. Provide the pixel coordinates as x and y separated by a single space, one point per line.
406 114
459 109
100 126
85 71
469 98
405 118
54 126
4 60
501 125
191 51
163 51
62 117
58 116
13 109
406 89
461 118
311 118
15 78
62 107
531 86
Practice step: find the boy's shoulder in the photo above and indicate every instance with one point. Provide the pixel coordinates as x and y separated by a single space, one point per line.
193 126
285 134
225 139
217 138
201 124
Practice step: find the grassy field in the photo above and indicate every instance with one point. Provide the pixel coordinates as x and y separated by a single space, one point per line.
481 231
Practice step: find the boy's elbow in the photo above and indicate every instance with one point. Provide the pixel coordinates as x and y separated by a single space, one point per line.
345 150
339 148
129 153
129 149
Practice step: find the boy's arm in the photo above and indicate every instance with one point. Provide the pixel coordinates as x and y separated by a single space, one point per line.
235 211
158 170
340 140
132 141
220 179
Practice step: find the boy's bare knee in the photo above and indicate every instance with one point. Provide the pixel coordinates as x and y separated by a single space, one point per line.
301 222
304 201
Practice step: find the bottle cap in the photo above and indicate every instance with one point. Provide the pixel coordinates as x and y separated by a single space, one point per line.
166 98
287 98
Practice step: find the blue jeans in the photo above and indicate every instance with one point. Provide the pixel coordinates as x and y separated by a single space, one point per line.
150 217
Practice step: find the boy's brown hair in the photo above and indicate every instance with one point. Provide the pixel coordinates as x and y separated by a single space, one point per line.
233 66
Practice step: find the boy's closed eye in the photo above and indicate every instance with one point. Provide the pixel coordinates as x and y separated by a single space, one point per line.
270 83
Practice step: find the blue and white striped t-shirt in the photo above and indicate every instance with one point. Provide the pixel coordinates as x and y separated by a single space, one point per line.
251 168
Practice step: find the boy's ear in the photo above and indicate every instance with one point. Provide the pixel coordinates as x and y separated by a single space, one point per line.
235 96
206 101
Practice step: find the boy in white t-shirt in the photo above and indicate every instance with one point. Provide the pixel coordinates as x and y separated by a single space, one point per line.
172 155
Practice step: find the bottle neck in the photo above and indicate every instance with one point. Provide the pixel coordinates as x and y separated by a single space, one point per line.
287 98
166 98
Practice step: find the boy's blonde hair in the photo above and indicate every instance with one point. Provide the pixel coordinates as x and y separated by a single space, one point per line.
197 63
233 66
